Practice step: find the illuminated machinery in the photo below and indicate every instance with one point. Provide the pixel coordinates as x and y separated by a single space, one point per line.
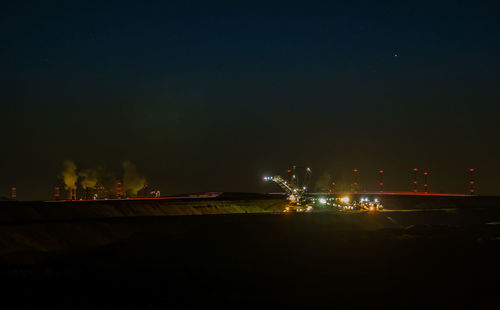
296 194
364 204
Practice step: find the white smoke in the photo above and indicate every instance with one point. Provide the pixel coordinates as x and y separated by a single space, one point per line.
133 181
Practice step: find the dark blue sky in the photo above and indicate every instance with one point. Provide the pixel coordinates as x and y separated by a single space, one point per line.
212 96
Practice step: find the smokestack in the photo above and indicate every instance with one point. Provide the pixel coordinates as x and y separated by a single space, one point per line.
144 191
69 176
133 181
72 193
87 193
100 192
89 178
13 194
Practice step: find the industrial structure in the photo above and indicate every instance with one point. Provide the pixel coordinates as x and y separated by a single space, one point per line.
296 192
301 200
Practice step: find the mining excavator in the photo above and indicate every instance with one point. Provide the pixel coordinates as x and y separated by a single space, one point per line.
296 192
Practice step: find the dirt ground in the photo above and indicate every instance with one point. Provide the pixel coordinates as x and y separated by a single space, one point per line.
325 260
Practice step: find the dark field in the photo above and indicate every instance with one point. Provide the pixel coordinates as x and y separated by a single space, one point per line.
423 259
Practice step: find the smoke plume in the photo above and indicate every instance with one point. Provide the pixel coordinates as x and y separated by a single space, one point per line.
69 174
89 178
133 181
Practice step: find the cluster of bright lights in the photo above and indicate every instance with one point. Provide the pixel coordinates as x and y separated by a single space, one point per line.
298 209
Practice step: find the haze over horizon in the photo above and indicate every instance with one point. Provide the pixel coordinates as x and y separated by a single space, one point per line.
212 97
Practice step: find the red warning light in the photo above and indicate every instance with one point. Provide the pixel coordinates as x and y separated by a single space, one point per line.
355 170
381 171
415 169
471 169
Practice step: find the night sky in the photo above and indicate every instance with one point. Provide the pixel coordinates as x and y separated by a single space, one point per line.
212 96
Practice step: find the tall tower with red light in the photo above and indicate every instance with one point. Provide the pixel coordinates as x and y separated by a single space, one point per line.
471 181
415 183
426 185
119 190
381 180
57 193
13 193
355 183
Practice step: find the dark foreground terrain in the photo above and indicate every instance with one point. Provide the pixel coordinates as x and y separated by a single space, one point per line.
414 259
